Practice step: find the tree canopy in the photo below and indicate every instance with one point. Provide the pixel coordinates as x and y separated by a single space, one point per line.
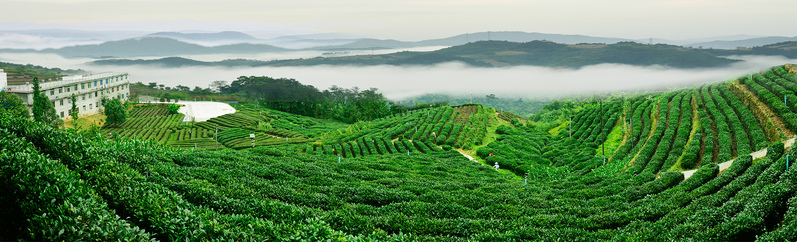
13 105
116 112
43 109
288 95
74 112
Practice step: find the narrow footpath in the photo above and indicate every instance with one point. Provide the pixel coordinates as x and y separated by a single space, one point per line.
758 154
468 156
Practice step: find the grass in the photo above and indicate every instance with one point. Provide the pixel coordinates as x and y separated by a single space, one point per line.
558 129
84 122
613 141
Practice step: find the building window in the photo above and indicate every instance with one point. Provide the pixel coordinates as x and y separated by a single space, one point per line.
67 89
60 90
106 81
90 107
62 102
82 85
95 94
62 114
84 108
95 83
52 92
123 96
84 97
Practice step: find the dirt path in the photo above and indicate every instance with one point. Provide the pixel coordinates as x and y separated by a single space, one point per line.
758 154
468 156
762 112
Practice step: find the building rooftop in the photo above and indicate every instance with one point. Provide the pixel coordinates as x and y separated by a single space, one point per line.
65 81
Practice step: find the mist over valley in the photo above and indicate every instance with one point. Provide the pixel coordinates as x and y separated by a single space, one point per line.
453 78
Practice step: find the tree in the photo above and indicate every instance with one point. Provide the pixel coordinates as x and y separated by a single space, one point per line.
182 88
173 108
74 112
153 85
116 112
218 85
43 109
12 104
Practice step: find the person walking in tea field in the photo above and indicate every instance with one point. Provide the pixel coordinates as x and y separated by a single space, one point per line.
496 166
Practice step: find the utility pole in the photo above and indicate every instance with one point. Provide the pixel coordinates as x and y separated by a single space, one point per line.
603 141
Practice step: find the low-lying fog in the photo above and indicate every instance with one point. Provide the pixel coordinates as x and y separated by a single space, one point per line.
449 78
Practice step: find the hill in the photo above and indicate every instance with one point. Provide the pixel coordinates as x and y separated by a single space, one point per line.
19 74
155 46
592 177
224 36
523 107
786 49
511 36
175 62
744 43
503 53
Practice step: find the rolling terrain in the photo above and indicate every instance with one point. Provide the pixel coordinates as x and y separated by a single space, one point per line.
491 54
611 171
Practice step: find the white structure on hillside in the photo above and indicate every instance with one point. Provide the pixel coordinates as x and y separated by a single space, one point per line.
89 90
3 80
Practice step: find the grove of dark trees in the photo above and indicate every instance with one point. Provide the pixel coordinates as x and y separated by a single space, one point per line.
288 95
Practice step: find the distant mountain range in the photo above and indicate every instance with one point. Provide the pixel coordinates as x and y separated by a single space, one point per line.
230 37
129 44
745 43
492 54
157 46
512 36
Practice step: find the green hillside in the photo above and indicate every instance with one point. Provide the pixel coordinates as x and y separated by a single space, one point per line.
496 54
19 74
403 178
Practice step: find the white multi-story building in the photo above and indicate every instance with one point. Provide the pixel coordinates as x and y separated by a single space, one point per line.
88 89
3 80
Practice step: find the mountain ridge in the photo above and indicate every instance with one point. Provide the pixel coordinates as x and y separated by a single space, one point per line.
500 54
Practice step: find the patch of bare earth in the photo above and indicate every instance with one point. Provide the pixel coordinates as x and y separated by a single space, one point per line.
761 111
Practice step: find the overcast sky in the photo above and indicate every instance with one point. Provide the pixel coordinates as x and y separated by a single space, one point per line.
415 19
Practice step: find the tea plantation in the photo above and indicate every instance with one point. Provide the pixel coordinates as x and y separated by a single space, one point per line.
403 178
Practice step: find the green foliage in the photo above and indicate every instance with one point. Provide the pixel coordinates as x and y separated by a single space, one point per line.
60 205
12 105
74 112
173 108
520 106
288 95
397 178
43 110
115 111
